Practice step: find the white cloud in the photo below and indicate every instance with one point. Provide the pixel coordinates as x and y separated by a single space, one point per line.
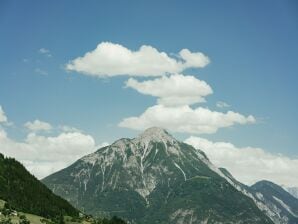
173 90
40 71
222 104
3 117
249 164
185 119
45 51
38 125
193 59
109 59
43 155
66 128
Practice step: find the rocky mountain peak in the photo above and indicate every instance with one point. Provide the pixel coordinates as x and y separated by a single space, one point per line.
155 134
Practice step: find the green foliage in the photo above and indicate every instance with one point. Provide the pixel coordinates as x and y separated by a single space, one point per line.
5 221
24 220
6 211
25 193
6 206
114 220
45 221
58 219
22 217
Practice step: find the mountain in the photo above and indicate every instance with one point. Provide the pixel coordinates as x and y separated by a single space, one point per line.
284 201
270 198
25 193
292 190
153 179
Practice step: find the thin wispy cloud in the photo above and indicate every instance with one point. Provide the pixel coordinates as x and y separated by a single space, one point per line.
40 71
66 128
222 104
45 52
3 117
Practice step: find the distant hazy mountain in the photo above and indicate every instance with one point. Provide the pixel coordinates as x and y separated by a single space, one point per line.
155 179
272 199
27 194
292 190
284 201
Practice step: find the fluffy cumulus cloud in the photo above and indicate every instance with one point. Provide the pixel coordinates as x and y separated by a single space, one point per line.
249 164
3 117
43 155
173 90
185 119
38 125
109 59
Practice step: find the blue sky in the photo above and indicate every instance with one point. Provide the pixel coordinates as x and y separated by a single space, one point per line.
252 47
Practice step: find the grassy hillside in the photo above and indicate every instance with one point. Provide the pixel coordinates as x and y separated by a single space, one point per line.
17 217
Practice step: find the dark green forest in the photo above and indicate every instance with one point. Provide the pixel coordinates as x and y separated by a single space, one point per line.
26 193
